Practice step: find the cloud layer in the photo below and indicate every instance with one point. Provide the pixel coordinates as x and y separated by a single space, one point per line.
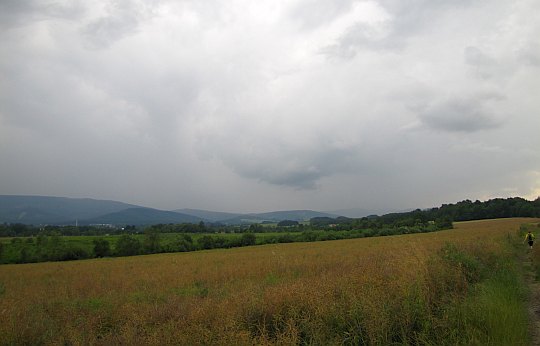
245 106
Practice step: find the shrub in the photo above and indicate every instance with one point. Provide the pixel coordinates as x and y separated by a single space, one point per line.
128 245
102 248
248 239
206 242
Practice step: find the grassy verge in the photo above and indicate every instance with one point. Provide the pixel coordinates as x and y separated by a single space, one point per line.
535 252
492 309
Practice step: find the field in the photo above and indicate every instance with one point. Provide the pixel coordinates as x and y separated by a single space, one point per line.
431 288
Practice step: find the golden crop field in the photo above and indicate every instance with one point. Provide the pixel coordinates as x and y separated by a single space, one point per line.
360 291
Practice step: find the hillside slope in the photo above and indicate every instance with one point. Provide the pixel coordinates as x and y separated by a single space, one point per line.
54 210
142 216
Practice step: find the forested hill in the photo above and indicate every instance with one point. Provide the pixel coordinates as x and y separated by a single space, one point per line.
491 209
445 214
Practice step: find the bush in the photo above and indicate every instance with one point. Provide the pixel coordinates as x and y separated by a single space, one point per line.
285 238
182 243
102 248
248 239
151 241
206 242
128 245
74 252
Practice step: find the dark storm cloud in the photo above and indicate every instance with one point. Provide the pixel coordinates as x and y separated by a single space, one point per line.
462 114
296 168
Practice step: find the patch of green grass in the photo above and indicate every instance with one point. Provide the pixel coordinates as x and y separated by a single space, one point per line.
198 289
147 297
94 304
493 311
272 279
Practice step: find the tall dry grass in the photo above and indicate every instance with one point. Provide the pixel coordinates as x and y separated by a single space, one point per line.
372 291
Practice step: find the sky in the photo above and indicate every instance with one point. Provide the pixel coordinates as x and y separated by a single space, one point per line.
251 106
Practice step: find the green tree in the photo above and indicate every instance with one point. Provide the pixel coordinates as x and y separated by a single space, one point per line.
248 239
256 227
443 223
287 223
55 248
128 245
102 248
206 242
182 243
151 241
24 255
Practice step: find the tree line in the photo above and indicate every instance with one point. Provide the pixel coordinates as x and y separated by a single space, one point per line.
56 248
47 244
442 216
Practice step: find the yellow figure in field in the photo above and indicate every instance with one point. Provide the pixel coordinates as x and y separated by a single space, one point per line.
529 238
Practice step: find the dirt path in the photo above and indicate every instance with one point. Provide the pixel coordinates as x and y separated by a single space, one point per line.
534 301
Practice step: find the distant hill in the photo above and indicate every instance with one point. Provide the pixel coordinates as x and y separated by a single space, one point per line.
276 216
44 210
54 210
208 215
295 215
142 216
358 212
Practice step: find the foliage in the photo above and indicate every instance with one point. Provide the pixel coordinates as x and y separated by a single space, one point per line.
56 247
128 245
248 239
439 218
151 241
181 243
287 223
102 248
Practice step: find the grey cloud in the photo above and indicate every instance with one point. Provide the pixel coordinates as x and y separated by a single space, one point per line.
476 57
295 167
278 157
105 31
412 17
358 38
315 13
233 107
14 13
122 19
407 20
460 115
482 65
300 177
530 54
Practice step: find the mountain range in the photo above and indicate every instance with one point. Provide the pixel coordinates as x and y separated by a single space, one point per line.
47 210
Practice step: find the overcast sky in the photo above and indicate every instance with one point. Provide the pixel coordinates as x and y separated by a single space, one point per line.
250 106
